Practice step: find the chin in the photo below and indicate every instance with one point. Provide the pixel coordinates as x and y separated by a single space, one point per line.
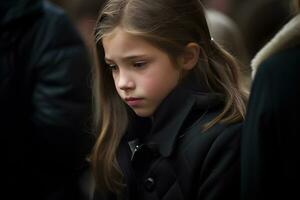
143 113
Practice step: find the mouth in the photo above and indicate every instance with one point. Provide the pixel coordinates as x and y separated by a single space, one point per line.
133 101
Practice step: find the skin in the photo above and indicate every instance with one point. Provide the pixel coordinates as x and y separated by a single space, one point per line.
143 74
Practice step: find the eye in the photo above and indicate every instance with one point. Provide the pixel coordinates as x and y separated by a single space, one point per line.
112 67
139 64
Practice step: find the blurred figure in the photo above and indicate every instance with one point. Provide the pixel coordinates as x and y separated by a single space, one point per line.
226 32
45 102
223 6
271 15
270 140
259 20
84 14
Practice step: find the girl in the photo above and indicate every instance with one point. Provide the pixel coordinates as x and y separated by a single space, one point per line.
170 105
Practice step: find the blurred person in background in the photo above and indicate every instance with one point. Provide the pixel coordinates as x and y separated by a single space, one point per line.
223 6
45 102
83 14
226 32
270 140
258 20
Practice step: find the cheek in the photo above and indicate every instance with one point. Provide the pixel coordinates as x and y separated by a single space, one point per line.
159 86
150 85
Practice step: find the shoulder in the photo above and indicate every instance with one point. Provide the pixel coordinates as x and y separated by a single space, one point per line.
218 130
54 35
57 18
218 136
225 134
57 24
54 27
277 62
280 71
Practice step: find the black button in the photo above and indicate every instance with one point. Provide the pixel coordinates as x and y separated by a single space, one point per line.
149 184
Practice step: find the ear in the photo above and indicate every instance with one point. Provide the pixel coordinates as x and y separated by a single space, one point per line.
190 56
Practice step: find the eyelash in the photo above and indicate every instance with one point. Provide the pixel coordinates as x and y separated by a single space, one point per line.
139 64
112 67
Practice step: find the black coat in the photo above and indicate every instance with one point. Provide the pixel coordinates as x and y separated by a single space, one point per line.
178 161
44 102
270 139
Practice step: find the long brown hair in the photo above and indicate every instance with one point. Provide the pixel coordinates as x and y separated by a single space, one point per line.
169 25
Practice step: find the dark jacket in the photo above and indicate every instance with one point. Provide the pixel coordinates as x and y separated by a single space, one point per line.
44 102
178 161
270 140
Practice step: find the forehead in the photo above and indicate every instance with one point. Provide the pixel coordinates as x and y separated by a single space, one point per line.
119 44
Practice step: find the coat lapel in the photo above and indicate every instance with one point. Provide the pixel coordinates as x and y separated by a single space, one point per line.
169 119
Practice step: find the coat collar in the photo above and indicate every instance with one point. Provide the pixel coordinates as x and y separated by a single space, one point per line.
170 116
287 37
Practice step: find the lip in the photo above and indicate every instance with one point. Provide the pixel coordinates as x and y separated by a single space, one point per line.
133 101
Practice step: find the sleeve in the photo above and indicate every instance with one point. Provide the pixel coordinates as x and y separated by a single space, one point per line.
220 173
61 96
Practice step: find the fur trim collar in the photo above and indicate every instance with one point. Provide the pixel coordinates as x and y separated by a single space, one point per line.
288 36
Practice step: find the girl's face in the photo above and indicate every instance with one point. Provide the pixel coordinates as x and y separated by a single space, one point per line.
143 74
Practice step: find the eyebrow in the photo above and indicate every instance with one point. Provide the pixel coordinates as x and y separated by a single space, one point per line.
126 58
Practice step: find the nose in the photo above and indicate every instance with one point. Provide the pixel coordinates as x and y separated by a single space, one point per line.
125 81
